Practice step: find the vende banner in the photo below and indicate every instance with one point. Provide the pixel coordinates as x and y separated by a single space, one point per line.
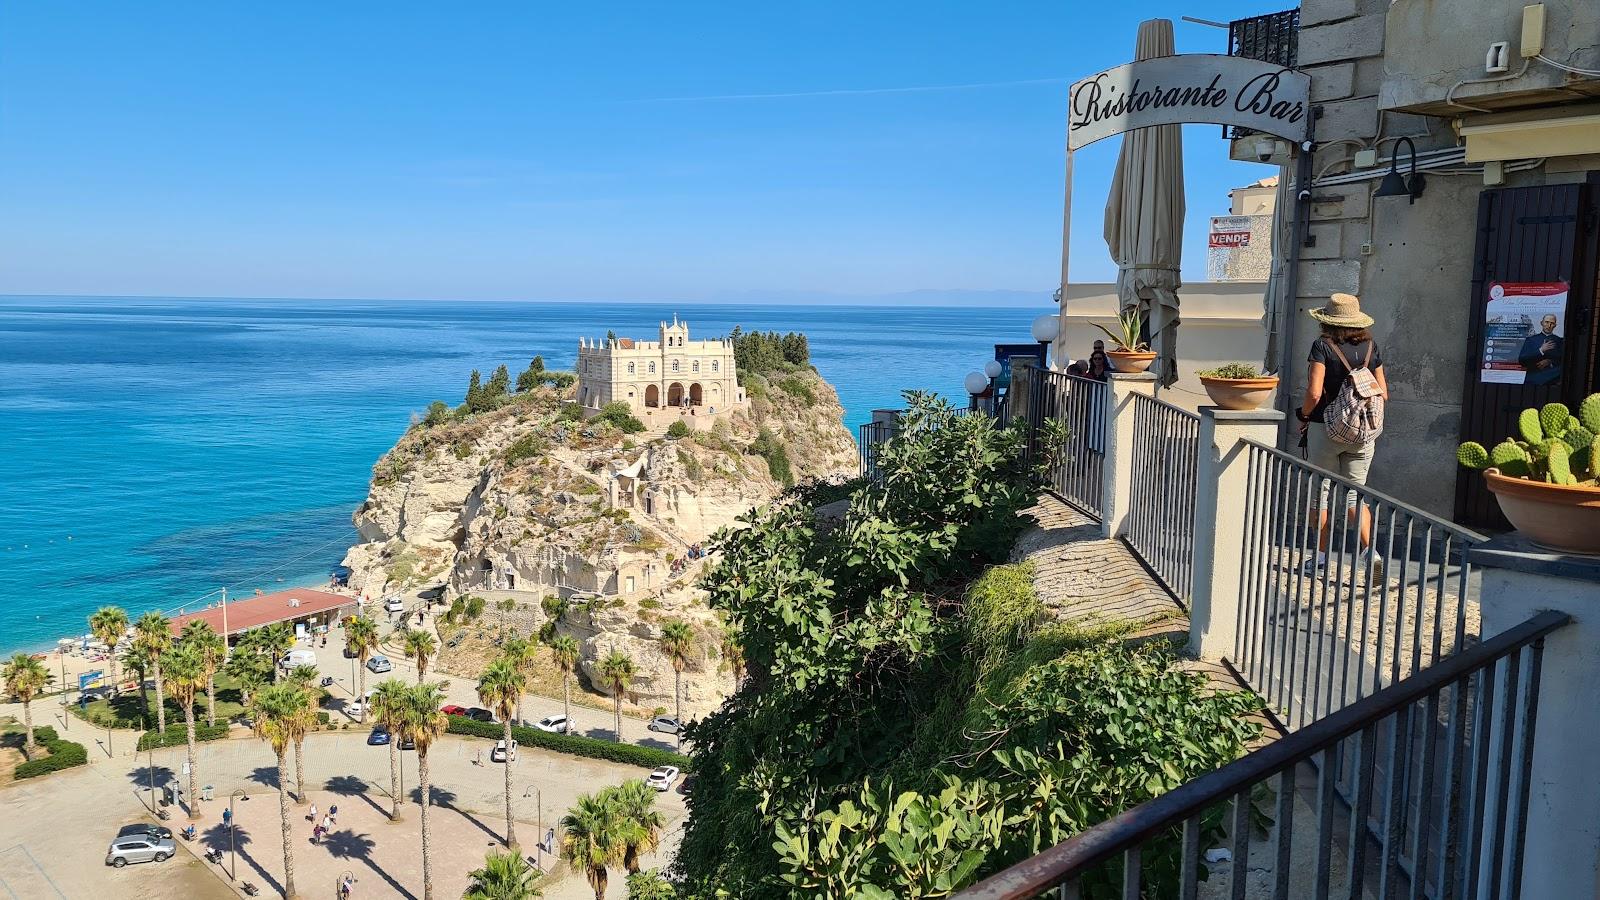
1189 87
1229 232
1524 332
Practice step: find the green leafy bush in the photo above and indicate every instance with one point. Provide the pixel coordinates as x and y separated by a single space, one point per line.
575 745
768 447
62 755
796 386
620 414
678 429
529 446
177 736
1232 370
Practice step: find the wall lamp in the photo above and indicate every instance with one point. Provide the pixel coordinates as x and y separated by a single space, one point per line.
1393 185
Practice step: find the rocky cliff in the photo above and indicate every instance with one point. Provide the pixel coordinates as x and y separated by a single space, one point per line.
549 517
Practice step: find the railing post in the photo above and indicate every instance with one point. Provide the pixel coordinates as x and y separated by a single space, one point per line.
1221 486
1561 850
1116 496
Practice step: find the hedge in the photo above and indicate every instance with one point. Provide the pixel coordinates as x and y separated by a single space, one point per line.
577 745
177 735
63 755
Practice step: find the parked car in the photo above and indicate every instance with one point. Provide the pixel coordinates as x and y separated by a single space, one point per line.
453 710
380 737
379 664
159 832
554 724
139 848
479 714
295 658
501 753
349 653
661 779
665 725
352 708
394 605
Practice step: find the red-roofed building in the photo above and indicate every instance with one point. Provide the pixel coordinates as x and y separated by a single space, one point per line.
295 606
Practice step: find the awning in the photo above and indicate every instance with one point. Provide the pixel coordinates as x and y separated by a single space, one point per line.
1531 138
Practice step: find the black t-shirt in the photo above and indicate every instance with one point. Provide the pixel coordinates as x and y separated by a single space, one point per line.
1334 377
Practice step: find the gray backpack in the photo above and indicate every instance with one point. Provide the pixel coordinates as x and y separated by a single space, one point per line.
1356 415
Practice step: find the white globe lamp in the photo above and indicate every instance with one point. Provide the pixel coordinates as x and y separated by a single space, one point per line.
1046 328
992 368
977 383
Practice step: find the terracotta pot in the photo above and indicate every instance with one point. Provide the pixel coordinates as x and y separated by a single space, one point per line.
1240 393
1128 362
1558 516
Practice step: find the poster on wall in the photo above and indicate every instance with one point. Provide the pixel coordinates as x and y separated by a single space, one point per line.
1524 328
1230 231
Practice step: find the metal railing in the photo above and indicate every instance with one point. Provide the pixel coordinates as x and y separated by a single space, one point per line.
1039 396
1273 38
1390 597
872 435
1440 765
1166 442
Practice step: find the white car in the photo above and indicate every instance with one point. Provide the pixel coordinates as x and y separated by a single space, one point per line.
501 754
353 707
665 725
394 605
554 724
661 779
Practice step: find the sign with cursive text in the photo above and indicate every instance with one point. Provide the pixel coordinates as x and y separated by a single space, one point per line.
1190 87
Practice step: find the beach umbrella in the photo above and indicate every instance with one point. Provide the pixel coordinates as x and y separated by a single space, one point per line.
1144 218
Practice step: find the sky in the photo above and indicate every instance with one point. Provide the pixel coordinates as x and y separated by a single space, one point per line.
618 151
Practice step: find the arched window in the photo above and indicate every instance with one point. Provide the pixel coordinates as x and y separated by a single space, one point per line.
714 365
652 368
674 365
694 366
630 368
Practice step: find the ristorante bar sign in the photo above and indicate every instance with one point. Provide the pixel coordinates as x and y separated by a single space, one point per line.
1194 87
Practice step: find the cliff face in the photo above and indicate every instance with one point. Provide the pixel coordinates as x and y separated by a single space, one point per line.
526 506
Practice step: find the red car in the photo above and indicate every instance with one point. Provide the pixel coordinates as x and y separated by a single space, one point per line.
453 710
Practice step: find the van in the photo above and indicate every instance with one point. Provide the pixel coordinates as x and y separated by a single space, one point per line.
298 658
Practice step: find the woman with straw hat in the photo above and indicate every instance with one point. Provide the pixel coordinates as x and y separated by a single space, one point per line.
1344 353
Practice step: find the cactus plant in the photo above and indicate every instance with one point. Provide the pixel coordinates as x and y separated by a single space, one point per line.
1589 413
1528 426
1551 445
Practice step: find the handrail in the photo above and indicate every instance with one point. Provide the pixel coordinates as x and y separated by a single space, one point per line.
1397 503
1130 828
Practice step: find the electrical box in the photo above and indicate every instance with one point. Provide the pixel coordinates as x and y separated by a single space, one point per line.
1366 159
1532 30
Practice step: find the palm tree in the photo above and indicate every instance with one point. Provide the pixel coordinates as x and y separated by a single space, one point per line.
391 704
275 640
24 678
589 840
500 688
185 668
304 677
360 639
276 714
504 876
252 662
640 823
108 625
677 643
564 647
733 652
419 646
152 638
616 676
523 654
212 649
424 724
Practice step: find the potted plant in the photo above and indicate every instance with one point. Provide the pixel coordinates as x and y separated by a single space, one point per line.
1132 355
1545 479
1238 386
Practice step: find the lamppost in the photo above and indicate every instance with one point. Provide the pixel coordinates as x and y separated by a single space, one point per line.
1045 330
150 769
233 823
976 383
538 844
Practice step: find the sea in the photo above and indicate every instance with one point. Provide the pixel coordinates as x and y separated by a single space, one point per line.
155 451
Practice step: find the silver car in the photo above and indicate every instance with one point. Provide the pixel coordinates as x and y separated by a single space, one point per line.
139 848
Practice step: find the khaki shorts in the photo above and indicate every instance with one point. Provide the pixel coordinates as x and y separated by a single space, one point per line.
1353 461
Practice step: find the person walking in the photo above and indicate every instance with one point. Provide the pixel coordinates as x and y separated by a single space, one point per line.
327 824
333 815
1341 416
312 816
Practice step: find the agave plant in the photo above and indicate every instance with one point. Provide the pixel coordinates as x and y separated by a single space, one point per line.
1129 327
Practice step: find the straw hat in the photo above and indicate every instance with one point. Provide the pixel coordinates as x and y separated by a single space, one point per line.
1343 310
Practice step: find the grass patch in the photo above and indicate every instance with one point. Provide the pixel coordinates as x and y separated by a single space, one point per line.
130 710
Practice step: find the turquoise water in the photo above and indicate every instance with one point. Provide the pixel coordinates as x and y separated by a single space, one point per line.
156 450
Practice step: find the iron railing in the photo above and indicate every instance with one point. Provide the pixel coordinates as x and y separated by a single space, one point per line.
1273 38
1314 638
1160 528
872 435
1442 816
1077 472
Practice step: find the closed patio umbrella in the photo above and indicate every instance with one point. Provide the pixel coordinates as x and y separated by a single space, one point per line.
1144 218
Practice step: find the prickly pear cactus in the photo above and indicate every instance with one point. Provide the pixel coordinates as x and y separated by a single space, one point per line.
1594 459
1553 418
1589 413
1577 437
1558 469
1472 455
1510 459
1528 426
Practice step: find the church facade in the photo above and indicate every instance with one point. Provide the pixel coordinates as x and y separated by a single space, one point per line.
672 376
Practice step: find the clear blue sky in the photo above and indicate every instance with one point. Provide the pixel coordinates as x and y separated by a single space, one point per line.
536 150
